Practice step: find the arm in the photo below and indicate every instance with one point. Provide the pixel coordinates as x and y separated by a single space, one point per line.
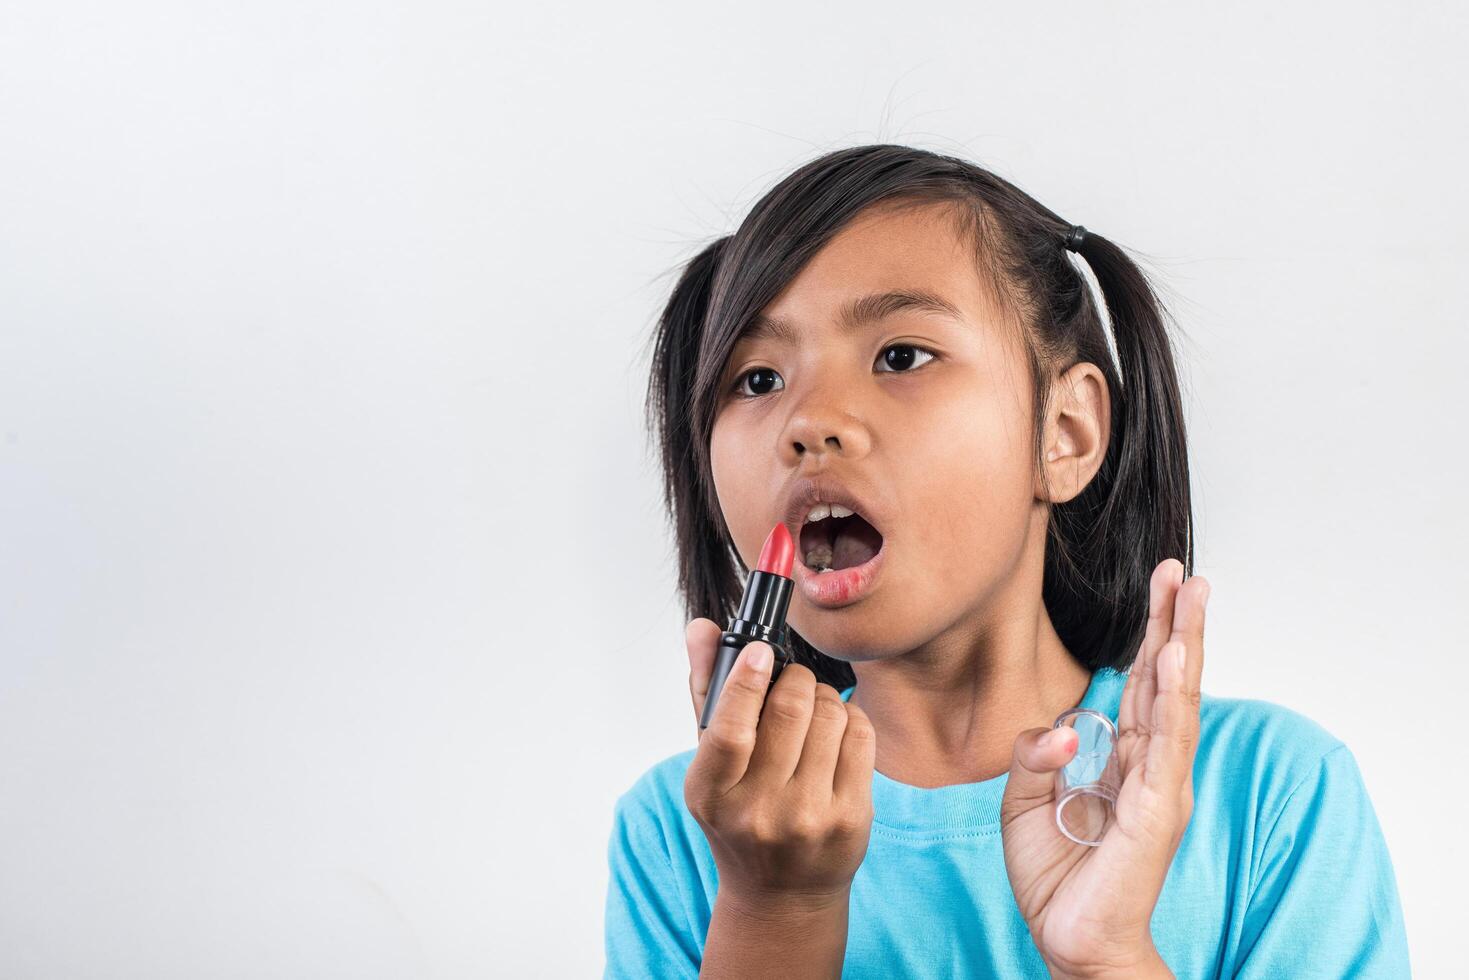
1325 900
648 933
782 787
769 939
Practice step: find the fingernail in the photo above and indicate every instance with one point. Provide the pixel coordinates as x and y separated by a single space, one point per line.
760 656
1045 740
1178 655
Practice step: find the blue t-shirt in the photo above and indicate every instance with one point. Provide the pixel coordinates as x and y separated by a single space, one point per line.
1282 872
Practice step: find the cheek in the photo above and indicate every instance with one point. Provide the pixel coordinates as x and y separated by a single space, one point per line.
721 470
972 491
732 486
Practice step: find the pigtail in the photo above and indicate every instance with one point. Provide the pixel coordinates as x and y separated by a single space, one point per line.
706 578
1136 511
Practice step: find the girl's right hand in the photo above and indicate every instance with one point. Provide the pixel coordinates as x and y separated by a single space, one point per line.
784 796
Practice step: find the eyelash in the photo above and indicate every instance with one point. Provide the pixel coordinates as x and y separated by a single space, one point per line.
740 380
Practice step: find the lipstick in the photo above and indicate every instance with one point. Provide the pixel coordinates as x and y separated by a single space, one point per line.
762 615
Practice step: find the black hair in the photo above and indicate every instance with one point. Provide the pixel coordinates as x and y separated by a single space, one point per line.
1103 544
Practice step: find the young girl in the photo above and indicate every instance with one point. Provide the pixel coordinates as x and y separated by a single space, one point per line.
910 338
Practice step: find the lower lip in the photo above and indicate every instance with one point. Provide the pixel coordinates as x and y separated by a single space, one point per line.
841 587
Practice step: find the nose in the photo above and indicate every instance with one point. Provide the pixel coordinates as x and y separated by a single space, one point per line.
823 423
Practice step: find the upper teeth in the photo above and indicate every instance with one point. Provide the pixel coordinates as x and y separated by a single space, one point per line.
822 511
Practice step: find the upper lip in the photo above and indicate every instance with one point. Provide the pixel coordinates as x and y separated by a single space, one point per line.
809 491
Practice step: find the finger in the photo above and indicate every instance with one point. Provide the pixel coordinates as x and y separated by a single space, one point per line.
1188 613
1039 752
783 727
1175 721
816 771
1136 709
1188 630
852 783
725 747
701 639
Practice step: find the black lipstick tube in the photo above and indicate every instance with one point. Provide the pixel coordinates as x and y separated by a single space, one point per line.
762 616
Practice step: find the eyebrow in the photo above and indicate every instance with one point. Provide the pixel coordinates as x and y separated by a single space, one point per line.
857 313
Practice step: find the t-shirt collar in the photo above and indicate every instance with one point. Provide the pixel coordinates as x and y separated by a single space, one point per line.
969 806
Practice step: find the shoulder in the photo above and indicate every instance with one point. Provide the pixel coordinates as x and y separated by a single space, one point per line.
1275 747
1258 754
1283 801
657 895
653 833
655 799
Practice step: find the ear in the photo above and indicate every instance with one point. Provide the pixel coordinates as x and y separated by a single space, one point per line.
1078 422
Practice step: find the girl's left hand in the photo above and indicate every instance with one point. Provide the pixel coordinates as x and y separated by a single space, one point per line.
1089 908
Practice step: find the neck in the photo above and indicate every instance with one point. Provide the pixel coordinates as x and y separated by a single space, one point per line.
948 712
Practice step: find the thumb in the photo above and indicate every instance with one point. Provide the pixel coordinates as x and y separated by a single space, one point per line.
701 637
1039 752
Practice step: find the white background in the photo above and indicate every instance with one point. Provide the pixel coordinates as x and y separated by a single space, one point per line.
336 601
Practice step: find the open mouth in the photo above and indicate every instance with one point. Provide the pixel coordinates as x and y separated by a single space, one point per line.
837 542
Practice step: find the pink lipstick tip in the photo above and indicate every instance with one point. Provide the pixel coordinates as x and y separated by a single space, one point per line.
778 553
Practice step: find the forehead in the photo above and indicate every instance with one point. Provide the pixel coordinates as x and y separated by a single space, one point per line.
886 260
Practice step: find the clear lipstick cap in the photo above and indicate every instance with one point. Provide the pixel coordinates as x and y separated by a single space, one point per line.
1087 786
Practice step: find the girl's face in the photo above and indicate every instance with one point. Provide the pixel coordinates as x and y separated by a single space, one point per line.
938 440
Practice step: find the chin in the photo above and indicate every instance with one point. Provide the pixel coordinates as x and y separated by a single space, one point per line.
856 633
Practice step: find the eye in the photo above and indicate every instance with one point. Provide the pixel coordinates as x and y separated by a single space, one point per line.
900 357
765 374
